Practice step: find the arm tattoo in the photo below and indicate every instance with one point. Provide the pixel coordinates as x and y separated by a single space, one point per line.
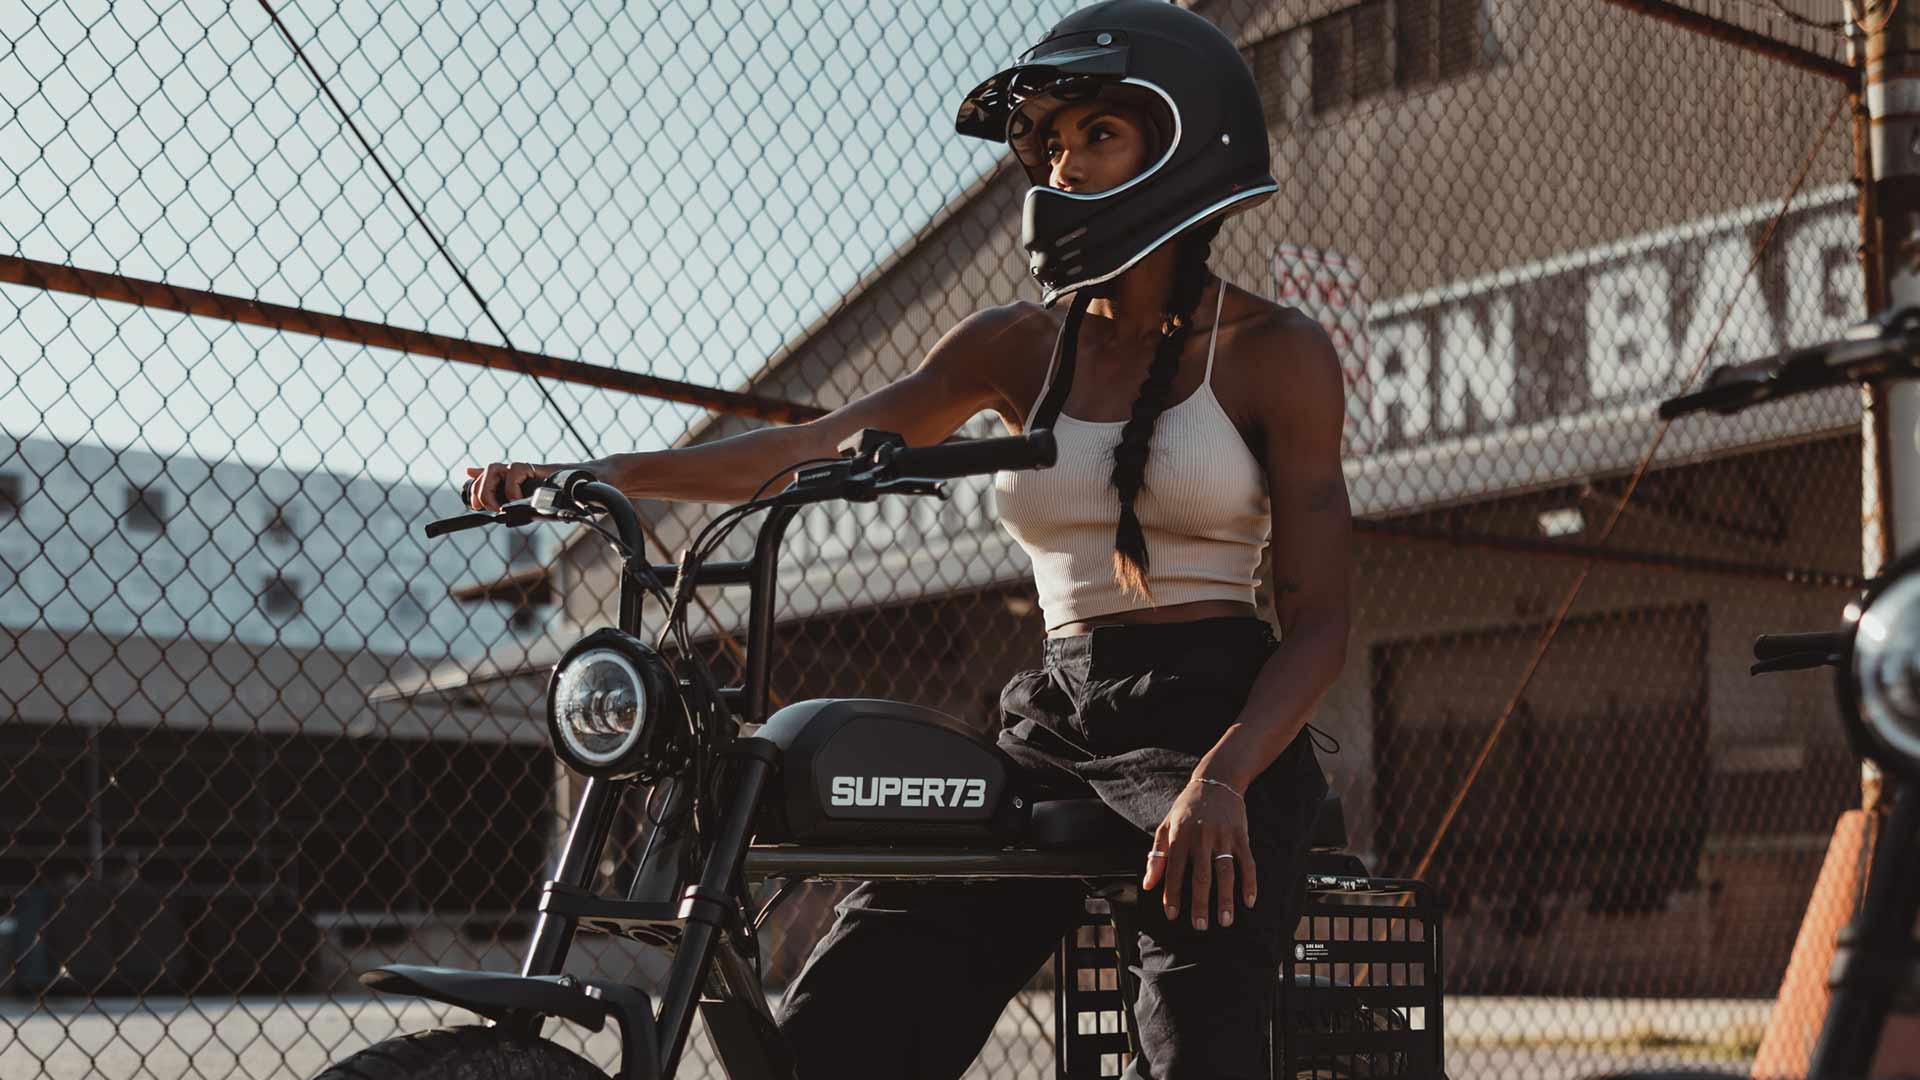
1326 496
1286 587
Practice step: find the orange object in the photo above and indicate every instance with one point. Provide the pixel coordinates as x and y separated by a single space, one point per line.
1794 1027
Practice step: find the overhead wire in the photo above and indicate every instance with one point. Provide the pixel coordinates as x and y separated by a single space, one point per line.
737 653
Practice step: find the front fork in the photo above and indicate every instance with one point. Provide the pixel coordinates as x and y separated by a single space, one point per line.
592 820
711 923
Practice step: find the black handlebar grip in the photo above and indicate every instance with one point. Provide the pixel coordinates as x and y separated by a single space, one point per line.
1772 646
466 487
974 457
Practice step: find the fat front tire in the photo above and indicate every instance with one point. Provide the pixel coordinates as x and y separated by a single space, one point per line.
463 1053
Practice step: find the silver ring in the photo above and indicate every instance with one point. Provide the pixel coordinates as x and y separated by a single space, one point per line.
1217 858
1156 854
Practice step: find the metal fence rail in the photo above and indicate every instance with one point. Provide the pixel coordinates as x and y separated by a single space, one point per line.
270 274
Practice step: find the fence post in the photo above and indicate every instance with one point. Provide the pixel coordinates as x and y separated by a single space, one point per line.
1891 516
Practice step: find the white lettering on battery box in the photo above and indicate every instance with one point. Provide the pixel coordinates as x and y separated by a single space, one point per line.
958 792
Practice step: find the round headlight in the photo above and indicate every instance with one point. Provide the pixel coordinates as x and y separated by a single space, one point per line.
598 706
602 705
1886 668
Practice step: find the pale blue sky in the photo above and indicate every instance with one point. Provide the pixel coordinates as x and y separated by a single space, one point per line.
670 188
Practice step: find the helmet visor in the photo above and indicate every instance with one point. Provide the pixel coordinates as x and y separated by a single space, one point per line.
984 111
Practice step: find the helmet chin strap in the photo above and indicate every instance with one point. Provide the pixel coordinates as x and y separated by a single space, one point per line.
1064 348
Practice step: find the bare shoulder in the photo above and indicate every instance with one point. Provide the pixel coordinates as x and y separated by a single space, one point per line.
1285 368
1020 321
1007 347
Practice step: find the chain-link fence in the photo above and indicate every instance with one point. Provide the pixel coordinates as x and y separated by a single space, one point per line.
271 274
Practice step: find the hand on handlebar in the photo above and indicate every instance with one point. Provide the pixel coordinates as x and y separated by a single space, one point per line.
490 487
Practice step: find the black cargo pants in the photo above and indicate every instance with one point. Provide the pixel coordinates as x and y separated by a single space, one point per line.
911 978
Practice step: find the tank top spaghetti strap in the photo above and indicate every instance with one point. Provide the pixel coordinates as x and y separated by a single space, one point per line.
1204 506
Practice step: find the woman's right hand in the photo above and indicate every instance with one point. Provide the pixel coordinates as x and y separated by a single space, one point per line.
502 482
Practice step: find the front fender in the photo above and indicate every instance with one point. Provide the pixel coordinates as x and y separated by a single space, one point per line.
501 997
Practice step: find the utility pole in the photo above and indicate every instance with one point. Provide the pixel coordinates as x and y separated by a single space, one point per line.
1890 495
1884 46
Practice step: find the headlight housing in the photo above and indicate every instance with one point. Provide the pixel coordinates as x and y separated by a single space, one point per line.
608 703
1880 683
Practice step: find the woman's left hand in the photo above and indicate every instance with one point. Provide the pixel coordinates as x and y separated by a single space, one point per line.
1203 841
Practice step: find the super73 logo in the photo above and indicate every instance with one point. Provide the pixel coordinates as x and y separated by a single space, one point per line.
954 791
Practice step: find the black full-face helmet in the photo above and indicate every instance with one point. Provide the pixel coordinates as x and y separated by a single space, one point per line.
1201 98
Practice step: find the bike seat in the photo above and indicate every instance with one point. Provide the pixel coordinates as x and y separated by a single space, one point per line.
1086 822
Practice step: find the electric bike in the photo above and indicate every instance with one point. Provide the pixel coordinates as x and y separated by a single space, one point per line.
1876 660
735 795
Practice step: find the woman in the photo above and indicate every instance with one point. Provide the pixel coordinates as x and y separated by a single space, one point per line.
1162 690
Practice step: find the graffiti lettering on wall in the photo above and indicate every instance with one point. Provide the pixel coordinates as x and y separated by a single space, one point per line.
1334 289
1624 323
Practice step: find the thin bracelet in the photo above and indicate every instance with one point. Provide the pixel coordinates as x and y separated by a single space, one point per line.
1220 784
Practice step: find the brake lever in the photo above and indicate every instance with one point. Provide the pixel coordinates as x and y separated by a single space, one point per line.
513 515
436 529
907 485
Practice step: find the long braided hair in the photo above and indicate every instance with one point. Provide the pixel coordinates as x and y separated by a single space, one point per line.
1130 558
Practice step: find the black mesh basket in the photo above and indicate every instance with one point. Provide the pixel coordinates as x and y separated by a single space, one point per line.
1093 993
1360 995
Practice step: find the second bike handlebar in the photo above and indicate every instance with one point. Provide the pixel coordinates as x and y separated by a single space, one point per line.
1798 652
1774 646
1885 345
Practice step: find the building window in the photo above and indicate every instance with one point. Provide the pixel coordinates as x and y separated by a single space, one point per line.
146 510
1435 40
1268 60
1348 50
10 494
280 596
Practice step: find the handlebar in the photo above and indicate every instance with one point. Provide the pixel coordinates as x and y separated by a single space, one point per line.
1773 646
973 457
1886 344
1797 652
878 464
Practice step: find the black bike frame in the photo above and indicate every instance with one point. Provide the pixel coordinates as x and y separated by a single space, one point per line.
713 963
704 922
713 931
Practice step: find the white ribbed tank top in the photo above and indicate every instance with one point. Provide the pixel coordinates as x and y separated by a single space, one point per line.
1204 509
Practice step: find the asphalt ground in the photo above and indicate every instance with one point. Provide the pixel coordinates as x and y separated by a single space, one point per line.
291 1039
